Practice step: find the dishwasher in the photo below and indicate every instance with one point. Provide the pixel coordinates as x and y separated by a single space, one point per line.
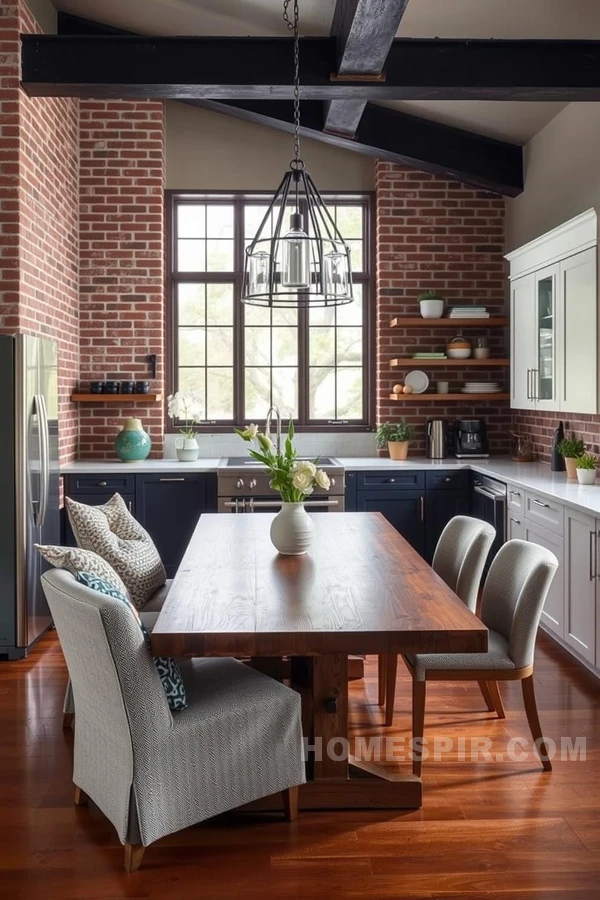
488 502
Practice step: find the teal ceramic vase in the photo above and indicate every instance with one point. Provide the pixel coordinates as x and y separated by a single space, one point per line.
132 443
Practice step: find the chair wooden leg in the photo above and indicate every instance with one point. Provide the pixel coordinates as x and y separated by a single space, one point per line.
68 719
381 672
494 690
133 857
80 798
534 720
419 690
485 690
290 804
391 670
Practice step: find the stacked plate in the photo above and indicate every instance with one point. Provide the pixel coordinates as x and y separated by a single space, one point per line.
481 387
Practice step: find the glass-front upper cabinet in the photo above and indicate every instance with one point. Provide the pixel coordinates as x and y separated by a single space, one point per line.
544 387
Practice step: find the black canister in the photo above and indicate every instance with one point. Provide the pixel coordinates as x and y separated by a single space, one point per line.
128 387
111 387
142 387
557 462
96 387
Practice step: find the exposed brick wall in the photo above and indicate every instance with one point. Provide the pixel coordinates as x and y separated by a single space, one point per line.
39 216
433 233
540 427
122 307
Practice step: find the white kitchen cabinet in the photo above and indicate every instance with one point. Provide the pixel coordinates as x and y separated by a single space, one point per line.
580 580
515 527
554 337
553 614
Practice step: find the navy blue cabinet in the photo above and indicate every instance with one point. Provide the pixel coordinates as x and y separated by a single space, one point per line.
418 504
168 505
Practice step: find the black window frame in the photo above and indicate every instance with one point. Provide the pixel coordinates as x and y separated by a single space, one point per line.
366 278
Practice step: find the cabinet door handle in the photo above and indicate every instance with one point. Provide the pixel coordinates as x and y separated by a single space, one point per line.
515 493
130 506
171 479
422 508
102 483
539 503
593 550
529 384
448 479
390 481
516 521
535 389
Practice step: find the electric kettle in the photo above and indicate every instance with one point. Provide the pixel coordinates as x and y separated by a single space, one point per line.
437 438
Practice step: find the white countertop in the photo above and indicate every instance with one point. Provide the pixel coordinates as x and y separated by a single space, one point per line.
535 477
144 467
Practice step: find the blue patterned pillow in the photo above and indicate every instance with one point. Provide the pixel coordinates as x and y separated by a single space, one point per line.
166 667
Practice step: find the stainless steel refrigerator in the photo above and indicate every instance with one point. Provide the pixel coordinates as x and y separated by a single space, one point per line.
29 485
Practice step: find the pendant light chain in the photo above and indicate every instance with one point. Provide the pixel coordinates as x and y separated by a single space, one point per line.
293 27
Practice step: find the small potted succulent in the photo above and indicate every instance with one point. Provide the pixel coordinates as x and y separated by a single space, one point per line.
571 449
432 305
396 436
586 468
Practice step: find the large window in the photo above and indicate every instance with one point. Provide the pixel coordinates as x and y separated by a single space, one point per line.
239 360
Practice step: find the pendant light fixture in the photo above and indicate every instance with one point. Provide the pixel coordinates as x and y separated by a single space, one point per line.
298 258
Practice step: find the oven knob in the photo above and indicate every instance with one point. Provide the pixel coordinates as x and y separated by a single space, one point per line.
252 483
332 482
239 484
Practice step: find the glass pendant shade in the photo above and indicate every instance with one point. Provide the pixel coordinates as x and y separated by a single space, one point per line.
304 264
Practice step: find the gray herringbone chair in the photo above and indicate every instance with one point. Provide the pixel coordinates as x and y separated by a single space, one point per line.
459 558
514 594
152 772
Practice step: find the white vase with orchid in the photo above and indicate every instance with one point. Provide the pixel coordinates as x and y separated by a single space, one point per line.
295 480
185 408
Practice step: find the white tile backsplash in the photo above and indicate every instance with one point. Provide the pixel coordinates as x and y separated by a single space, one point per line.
308 444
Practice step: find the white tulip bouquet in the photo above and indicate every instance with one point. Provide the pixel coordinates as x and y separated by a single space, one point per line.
294 478
185 408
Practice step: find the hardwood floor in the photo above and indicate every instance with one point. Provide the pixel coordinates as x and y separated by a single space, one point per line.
487 829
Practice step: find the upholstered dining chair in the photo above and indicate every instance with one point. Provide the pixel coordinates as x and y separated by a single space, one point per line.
153 772
513 598
459 559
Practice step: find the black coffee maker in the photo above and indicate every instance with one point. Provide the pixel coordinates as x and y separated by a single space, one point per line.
470 439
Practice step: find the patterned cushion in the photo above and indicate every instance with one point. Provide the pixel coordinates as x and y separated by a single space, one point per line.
75 560
112 531
166 667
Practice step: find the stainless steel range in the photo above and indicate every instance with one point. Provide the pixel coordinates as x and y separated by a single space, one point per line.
243 487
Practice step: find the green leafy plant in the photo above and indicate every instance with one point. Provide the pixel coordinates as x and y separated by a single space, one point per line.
587 461
431 295
571 448
394 431
294 478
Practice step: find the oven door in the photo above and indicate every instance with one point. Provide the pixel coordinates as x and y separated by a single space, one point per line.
489 504
268 504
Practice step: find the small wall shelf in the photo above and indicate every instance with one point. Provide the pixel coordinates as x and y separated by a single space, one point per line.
123 399
463 398
420 322
446 363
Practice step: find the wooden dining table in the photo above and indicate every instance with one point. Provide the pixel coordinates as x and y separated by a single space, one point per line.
361 589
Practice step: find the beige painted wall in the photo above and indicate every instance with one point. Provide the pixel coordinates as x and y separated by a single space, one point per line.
210 151
45 14
562 174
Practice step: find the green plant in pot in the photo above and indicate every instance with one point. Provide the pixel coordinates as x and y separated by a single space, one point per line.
431 304
586 468
571 449
396 436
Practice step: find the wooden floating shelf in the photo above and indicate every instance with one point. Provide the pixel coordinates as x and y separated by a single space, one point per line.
465 398
443 363
419 322
123 399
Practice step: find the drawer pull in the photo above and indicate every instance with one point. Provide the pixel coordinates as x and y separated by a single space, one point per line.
102 483
447 479
171 479
390 481
516 521
539 503
515 493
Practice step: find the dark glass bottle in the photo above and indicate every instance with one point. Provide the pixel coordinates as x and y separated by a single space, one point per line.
557 463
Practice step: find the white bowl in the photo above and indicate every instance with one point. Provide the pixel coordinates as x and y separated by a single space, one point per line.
458 354
432 309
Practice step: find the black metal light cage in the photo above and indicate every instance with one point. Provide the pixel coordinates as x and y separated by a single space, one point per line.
323 238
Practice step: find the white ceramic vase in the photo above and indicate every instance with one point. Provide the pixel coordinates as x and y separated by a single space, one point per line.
187 449
292 530
586 476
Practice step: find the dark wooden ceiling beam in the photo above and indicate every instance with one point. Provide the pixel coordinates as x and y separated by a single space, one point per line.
183 68
412 141
364 31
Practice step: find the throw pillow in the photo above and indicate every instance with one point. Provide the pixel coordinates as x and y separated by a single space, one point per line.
75 560
111 531
166 667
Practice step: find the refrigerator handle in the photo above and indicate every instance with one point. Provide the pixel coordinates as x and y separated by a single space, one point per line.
44 435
